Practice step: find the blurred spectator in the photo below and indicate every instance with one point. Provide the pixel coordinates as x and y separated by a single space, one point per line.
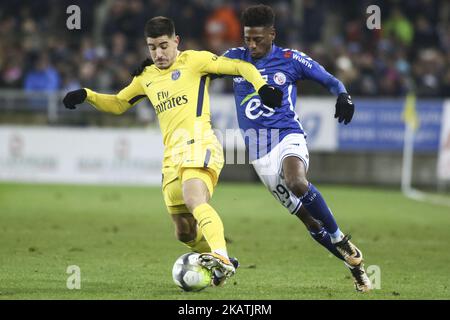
12 74
312 21
399 27
425 34
428 72
222 29
412 48
43 77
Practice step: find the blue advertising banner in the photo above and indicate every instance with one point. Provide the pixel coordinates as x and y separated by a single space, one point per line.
378 126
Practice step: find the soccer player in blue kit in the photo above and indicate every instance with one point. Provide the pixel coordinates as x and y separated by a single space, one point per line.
275 137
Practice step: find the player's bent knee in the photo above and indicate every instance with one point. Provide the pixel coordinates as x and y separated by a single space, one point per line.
195 191
193 199
192 202
298 186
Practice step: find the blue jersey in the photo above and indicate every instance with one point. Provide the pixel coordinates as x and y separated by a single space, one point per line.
263 127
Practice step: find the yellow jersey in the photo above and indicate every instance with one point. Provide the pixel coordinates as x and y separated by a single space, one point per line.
179 95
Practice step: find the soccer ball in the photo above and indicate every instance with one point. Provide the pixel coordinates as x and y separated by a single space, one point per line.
189 275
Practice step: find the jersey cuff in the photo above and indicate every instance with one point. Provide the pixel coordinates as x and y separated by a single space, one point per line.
90 95
259 84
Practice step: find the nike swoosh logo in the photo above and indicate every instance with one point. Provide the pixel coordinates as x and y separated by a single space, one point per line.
147 84
358 254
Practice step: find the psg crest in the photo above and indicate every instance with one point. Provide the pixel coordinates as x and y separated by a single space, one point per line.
176 74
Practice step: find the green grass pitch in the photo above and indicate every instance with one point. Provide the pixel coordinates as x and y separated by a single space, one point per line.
123 241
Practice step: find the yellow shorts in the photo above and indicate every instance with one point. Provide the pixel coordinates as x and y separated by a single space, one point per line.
206 168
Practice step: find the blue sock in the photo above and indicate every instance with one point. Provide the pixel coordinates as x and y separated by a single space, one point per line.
315 204
323 237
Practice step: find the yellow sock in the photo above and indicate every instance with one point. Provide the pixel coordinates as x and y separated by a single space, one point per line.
199 244
210 223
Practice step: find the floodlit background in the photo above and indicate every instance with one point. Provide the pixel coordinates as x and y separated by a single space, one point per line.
77 186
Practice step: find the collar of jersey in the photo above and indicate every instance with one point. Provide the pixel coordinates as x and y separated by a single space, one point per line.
265 58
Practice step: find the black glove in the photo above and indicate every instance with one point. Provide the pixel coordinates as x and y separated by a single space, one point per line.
73 98
147 62
270 96
344 108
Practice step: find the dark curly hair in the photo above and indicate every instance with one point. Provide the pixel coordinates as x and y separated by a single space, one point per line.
258 16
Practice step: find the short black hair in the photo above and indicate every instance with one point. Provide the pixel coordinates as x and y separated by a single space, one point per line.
258 16
159 26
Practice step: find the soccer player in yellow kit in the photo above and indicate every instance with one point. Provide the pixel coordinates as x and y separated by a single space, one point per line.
177 86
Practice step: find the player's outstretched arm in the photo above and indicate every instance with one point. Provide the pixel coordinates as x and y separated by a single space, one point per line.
116 104
103 102
307 68
344 104
270 96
